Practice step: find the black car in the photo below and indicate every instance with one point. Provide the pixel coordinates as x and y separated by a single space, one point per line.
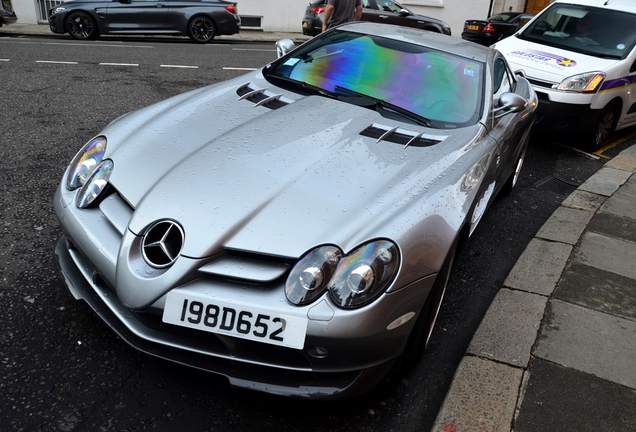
7 16
381 11
201 20
495 28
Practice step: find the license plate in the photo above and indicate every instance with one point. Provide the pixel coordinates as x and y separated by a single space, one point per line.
473 27
202 313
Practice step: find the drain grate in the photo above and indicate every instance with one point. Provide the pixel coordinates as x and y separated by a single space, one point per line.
558 186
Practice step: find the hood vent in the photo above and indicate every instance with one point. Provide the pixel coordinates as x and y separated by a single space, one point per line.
260 97
401 136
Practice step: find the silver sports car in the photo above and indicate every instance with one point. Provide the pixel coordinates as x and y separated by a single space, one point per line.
294 229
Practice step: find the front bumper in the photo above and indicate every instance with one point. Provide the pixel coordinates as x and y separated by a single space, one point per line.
563 122
56 23
85 285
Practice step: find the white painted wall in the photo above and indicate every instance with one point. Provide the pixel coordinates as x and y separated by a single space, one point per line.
25 10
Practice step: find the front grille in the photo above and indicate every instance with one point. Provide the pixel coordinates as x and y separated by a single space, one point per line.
539 83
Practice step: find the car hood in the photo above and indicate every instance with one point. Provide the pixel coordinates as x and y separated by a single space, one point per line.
548 63
282 181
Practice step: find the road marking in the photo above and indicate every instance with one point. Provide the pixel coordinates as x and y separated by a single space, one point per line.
56 62
240 68
614 143
4 59
91 45
118 64
179 66
253 49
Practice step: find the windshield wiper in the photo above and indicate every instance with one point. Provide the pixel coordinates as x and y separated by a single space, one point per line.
306 87
386 106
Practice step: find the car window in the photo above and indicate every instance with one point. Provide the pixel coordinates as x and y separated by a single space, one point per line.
525 18
502 83
436 85
366 4
388 6
588 30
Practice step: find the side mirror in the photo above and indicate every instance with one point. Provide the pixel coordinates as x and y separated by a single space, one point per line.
284 46
509 103
405 12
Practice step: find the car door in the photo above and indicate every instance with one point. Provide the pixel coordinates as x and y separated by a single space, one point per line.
505 130
136 16
384 11
369 11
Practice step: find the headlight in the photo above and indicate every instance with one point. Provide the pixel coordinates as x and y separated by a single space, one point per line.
352 281
58 10
95 185
84 163
309 278
583 83
364 274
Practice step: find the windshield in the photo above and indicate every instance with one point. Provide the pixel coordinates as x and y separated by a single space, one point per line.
443 89
588 30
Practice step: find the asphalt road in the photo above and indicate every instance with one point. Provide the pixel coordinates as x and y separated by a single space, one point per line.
62 369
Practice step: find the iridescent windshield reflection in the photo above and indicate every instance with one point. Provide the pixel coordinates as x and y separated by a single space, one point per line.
432 84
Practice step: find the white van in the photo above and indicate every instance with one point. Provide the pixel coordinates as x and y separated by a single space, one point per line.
580 58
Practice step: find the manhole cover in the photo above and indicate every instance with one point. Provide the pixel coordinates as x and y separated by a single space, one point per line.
556 185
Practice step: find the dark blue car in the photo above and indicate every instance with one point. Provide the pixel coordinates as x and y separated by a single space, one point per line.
201 20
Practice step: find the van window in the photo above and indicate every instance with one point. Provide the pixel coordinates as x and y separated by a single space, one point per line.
588 30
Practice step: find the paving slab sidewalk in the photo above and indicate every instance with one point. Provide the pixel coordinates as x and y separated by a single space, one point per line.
558 342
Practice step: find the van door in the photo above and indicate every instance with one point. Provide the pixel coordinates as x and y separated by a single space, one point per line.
628 116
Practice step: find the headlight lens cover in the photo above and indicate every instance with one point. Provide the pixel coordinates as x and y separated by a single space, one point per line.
352 281
309 278
95 185
583 83
84 163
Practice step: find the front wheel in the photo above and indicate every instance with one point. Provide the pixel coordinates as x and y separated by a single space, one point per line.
80 25
514 177
602 127
201 29
421 333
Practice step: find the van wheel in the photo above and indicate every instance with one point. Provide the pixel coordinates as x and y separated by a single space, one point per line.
602 127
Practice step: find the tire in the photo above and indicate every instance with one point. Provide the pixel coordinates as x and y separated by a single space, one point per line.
201 29
81 26
603 126
423 328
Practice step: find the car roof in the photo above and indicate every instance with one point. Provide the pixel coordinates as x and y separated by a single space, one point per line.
429 39
620 5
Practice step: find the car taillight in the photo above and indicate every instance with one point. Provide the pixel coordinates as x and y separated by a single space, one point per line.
232 8
488 28
317 10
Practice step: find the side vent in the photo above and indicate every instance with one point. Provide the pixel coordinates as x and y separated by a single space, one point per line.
401 136
260 97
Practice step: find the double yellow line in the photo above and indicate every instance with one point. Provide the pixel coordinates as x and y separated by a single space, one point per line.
621 138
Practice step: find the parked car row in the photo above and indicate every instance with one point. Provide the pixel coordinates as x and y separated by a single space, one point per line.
380 11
